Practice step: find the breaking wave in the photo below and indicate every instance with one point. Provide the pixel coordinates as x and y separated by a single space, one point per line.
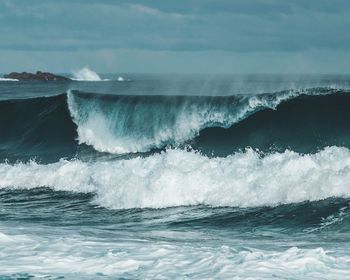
178 177
60 126
128 186
130 124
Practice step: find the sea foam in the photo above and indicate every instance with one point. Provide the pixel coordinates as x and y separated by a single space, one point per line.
178 177
92 258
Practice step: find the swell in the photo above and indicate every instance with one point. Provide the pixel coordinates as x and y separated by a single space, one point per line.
37 127
50 207
69 125
323 216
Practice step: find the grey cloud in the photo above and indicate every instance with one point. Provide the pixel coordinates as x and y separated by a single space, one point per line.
238 27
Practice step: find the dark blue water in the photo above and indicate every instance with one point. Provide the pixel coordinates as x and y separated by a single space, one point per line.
159 177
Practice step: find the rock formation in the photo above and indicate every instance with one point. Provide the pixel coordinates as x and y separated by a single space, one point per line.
38 76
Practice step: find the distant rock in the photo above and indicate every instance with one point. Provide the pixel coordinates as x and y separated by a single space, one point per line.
38 76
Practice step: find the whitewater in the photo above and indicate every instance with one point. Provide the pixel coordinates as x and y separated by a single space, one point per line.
180 178
167 177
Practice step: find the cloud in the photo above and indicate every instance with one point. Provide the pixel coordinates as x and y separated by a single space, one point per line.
238 28
145 9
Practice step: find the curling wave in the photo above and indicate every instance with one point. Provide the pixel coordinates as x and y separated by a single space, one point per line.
51 128
130 124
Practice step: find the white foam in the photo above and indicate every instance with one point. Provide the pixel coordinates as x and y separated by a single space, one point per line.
120 79
86 74
178 177
77 256
8 80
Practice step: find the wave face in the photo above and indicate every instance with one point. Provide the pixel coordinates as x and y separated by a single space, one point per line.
38 127
66 125
181 178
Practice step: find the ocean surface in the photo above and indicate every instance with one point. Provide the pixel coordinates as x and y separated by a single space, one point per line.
175 177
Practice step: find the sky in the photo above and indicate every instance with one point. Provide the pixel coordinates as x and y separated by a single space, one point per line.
178 36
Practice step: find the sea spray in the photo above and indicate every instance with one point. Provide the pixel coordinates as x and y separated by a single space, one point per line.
86 74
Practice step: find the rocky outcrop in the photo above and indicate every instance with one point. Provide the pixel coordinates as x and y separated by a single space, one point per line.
38 76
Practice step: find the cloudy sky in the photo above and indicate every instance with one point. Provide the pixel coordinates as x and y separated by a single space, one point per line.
178 36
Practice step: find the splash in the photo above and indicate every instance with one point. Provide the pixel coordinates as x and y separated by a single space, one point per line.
86 74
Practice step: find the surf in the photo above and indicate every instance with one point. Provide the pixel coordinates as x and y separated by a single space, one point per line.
75 123
185 178
131 124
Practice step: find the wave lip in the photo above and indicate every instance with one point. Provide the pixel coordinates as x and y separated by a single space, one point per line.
182 178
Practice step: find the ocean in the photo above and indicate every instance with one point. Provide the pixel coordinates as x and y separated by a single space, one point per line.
175 177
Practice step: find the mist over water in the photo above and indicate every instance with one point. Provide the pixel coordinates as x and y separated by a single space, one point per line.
197 177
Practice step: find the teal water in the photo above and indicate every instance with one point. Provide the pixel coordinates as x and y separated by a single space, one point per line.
183 177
